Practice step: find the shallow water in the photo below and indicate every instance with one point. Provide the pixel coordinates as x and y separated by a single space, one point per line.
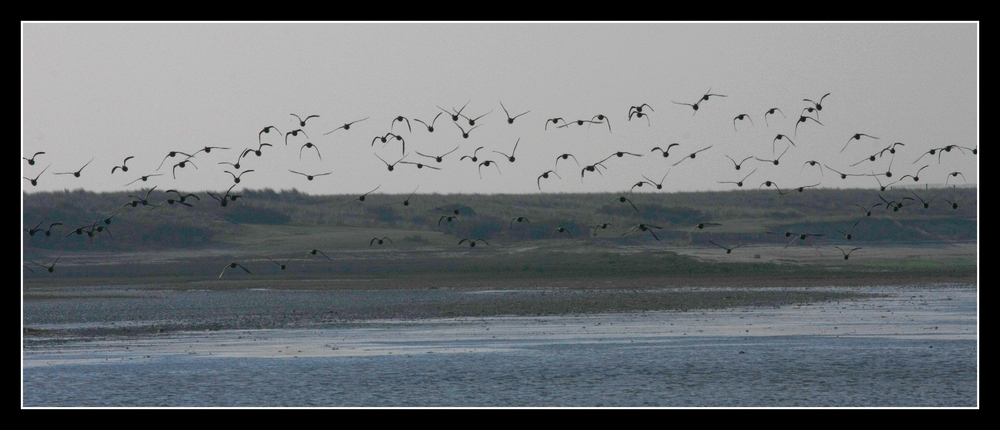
911 347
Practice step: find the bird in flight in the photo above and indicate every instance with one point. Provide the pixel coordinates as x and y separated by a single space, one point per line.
510 119
34 181
302 122
511 156
31 161
770 112
310 177
438 158
233 265
76 173
346 126
430 127
123 167
693 154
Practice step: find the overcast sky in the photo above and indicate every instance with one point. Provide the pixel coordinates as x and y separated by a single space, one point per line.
106 91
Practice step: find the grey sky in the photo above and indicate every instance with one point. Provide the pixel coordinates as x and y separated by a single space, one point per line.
111 90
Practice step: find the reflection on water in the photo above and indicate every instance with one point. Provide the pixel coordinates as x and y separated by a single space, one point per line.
909 348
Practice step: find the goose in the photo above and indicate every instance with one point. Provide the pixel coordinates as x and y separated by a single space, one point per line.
76 173
510 119
771 111
123 167
430 127
302 122
233 265
346 126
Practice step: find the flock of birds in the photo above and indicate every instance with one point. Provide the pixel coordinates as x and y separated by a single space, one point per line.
295 136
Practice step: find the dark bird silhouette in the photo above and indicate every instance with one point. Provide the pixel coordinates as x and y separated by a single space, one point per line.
740 183
954 202
737 165
602 226
236 178
849 233
385 138
562 230
579 122
693 154
519 219
172 154
554 121
592 168
812 163
181 164
728 250
709 94
31 161
868 209
565 157
817 105
465 134
659 185
316 251
511 156
780 137
123 166
293 133
693 106
233 265
926 203
143 178
207 150
772 111
799 189
266 130
447 218
392 166
700 226
34 181
842 174
857 136
455 113
50 268
401 119
953 175
48 231
438 158
361 198
546 175
310 145
37 228
472 121
801 236
847 253
407 201
310 177
430 127
346 126
510 119
256 152
420 165
802 119
281 265
76 173
666 152
601 117
639 114
741 117
774 161
620 154
224 199
302 122
180 198
638 109
472 243
623 199
644 227
487 163
380 241
473 157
